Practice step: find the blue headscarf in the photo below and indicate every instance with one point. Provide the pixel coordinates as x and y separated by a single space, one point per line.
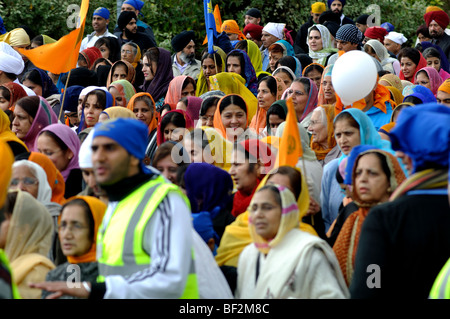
421 92
289 48
207 187
423 133
445 65
71 99
129 133
48 87
251 81
2 26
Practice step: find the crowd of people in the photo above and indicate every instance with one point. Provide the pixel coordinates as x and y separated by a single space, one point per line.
153 173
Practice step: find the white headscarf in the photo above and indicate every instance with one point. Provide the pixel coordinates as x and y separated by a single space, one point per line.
85 154
327 45
10 60
398 38
44 194
275 29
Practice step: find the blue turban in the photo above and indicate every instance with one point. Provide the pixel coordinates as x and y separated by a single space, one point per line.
102 12
137 4
129 133
388 26
331 1
423 133
2 26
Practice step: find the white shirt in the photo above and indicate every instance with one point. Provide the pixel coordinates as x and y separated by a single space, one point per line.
90 39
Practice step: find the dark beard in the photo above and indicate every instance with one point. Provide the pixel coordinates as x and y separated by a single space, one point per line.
130 35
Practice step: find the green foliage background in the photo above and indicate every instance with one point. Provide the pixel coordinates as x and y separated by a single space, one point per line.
169 17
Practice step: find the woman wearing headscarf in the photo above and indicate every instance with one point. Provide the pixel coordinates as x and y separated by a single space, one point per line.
254 54
377 50
367 191
114 112
211 64
436 58
62 145
123 91
429 78
276 115
131 53
16 144
286 262
323 142
327 95
270 89
88 56
30 177
396 95
304 95
320 44
237 236
28 241
192 105
173 126
391 80
411 61
32 114
278 50
231 119
180 86
121 70
157 69
233 83
143 106
314 71
418 94
70 105
79 222
10 93
239 62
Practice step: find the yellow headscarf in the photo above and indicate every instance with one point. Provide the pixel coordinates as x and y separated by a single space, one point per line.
6 134
237 235
220 147
202 85
119 111
6 171
397 95
233 83
16 37
255 57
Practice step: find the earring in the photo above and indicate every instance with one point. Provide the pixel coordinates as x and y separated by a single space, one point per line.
389 190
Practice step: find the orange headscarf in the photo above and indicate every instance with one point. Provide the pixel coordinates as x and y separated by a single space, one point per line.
154 122
217 122
258 122
98 209
131 72
54 176
445 86
326 72
346 243
231 26
6 171
382 95
327 111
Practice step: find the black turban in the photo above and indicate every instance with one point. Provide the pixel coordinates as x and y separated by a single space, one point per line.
180 41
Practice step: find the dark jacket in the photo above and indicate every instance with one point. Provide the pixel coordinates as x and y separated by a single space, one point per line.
409 240
300 44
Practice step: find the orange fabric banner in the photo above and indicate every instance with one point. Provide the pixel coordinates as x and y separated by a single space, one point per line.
290 147
62 55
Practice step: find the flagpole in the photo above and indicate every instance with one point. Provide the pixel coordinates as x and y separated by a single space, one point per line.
64 95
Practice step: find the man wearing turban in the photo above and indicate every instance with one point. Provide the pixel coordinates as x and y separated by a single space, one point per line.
437 21
337 6
100 21
184 61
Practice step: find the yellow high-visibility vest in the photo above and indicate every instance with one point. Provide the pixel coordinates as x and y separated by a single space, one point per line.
121 242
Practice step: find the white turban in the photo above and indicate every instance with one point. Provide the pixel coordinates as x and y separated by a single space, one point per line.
396 37
85 154
10 60
275 29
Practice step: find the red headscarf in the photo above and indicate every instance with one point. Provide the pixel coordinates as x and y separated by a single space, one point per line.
16 92
422 63
187 119
91 55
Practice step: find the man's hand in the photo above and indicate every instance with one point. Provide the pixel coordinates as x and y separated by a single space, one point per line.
61 288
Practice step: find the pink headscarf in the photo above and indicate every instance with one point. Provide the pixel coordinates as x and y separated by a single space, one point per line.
70 138
44 117
435 78
174 90
194 104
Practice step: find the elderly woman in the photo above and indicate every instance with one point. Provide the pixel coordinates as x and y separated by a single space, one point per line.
285 261
375 174
327 95
323 142
304 95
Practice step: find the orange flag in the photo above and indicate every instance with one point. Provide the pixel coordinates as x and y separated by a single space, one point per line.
218 20
290 147
62 55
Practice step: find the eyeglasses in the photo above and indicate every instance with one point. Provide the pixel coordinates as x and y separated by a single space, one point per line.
74 227
126 51
28 181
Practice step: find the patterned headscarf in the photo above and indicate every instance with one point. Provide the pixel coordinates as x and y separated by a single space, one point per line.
125 88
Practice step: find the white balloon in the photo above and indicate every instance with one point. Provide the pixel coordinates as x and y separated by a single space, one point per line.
354 76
